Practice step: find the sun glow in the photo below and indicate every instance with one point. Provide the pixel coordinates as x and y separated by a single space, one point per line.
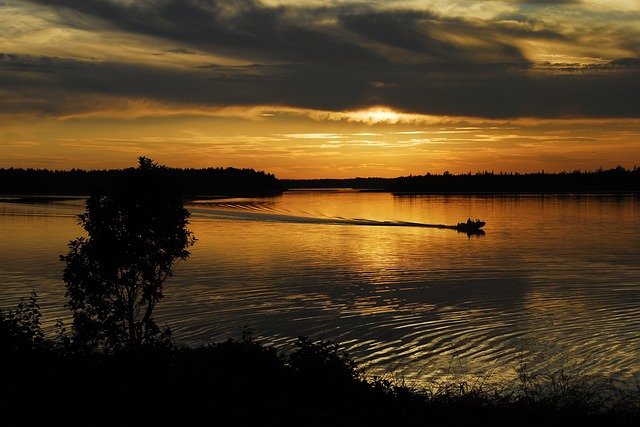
384 115
377 115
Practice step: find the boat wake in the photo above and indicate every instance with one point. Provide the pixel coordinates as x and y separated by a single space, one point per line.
251 212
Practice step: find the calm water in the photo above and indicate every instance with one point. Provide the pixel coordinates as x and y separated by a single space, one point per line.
553 282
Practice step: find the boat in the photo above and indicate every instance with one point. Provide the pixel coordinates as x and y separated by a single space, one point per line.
470 226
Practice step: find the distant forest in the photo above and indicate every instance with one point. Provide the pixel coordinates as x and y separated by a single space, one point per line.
191 182
248 182
617 180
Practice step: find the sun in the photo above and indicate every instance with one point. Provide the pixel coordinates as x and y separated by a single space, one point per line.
376 115
385 115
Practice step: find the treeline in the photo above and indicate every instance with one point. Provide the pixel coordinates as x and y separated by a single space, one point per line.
616 180
248 182
359 183
191 182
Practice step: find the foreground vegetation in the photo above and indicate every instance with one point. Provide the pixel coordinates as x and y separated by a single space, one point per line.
314 382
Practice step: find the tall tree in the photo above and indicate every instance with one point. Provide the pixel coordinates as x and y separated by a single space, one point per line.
136 234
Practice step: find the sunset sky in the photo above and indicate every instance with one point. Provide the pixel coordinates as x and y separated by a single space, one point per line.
321 89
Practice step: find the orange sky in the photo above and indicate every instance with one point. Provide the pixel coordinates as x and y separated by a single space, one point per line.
321 89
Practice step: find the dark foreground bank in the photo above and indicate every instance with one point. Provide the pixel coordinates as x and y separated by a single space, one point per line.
241 382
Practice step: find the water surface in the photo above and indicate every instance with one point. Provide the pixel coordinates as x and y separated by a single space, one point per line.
554 281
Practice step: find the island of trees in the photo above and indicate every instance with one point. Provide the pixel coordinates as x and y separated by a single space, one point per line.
190 182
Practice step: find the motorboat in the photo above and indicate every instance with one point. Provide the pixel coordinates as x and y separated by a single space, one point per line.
470 226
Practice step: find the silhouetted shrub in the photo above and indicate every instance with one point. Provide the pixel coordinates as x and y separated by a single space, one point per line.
20 332
137 232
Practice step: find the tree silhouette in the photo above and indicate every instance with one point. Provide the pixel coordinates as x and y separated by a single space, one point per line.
114 277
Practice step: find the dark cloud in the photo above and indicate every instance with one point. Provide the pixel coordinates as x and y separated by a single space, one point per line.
236 28
334 58
422 34
181 51
546 2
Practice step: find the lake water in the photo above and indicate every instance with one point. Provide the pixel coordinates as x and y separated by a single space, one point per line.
553 282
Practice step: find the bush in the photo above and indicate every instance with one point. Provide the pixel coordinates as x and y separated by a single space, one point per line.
20 332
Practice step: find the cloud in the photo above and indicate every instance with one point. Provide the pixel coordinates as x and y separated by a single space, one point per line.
345 56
